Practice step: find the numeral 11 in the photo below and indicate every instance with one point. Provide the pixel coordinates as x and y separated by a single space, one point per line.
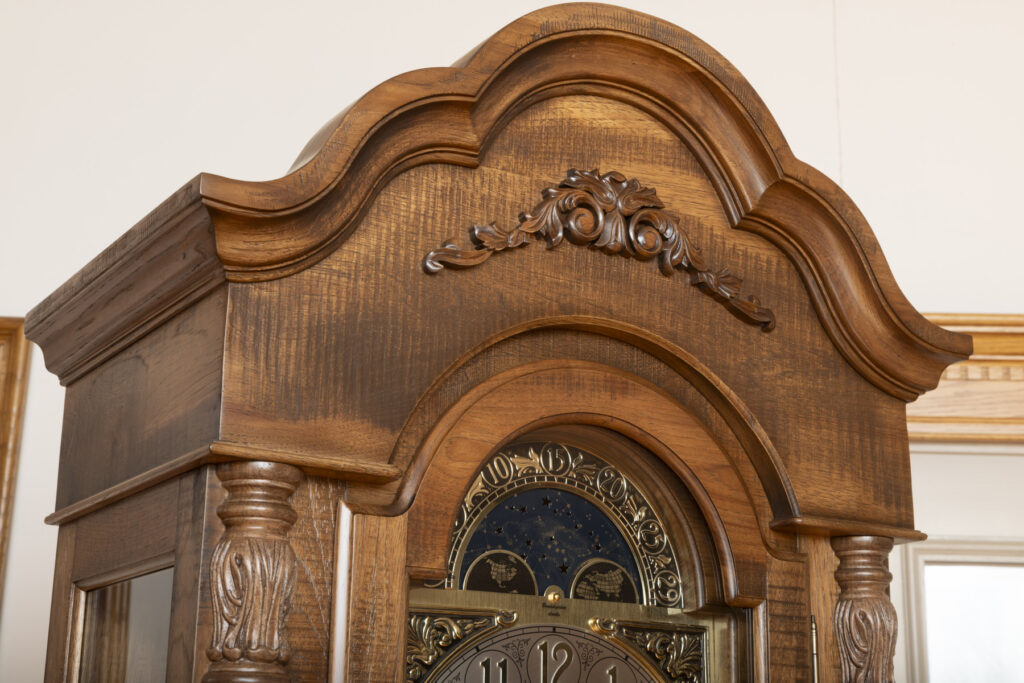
502 670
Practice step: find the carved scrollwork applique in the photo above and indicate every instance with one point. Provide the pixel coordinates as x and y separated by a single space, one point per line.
613 214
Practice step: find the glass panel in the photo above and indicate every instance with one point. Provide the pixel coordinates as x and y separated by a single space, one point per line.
975 618
126 630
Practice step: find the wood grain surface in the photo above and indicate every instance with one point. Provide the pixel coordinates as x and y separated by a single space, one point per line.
378 595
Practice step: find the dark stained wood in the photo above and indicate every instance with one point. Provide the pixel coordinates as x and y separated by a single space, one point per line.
352 469
824 593
65 610
789 629
286 332
310 619
158 269
140 482
261 233
105 634
314 394
618 216
617 402
159 401
129 538
198 496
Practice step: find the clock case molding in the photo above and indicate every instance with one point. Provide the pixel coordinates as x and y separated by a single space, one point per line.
281 343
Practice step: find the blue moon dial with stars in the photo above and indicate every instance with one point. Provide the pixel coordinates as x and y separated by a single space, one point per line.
555 533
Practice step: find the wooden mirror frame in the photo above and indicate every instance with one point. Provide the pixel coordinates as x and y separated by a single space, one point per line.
15 356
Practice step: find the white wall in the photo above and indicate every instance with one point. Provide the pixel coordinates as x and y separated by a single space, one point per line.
109 106
961 492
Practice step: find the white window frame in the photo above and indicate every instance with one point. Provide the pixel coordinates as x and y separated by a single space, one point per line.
943 551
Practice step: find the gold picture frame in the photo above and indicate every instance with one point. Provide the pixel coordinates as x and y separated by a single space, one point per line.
14 363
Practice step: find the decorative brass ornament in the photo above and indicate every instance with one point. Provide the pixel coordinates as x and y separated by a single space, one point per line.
617 216
553 465
430 635
677 651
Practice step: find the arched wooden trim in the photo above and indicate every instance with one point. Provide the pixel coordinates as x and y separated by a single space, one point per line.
745 426
527 397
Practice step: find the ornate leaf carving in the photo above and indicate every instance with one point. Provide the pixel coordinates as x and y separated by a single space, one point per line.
252 573
865 620
613 214
252 581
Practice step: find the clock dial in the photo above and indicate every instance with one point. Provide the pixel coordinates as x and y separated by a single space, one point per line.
542 653
560 571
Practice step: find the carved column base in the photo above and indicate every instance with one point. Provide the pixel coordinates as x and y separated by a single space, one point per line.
234 672
865 620
252 574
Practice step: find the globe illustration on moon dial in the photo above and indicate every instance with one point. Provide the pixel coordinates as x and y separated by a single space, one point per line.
550 537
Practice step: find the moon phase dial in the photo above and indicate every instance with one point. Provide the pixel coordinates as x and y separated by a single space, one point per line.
560 570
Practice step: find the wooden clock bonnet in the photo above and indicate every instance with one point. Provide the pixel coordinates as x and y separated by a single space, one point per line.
553 365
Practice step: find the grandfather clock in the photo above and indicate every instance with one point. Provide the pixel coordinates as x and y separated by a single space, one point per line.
551 366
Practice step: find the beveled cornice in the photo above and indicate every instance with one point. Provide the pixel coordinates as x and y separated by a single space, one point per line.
266 230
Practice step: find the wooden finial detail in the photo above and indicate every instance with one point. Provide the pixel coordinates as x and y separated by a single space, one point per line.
252 573
865 619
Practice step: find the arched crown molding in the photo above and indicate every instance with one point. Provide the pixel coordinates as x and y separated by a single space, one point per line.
250 231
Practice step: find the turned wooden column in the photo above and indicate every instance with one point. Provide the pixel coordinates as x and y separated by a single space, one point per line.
865 619
252 574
